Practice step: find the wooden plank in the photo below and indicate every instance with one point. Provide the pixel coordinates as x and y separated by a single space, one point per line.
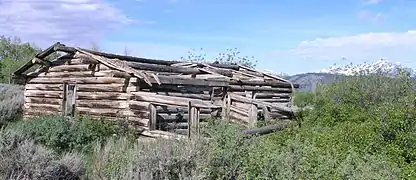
152 117
186 95
36 100
170 100
116 104
254 88
260 103
78 80
103 73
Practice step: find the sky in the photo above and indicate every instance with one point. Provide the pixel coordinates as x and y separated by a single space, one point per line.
284 36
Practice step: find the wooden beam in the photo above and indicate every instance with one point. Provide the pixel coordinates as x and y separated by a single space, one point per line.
260 103
152 117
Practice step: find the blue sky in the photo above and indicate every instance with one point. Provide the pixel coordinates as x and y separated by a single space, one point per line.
290 36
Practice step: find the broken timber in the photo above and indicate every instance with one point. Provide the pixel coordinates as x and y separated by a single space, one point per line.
158 97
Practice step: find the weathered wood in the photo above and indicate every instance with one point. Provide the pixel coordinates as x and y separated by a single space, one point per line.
260 103
239 111
162 68
193 120
72 68
102 95
137 59
40 55
105 112
43 94
253 88
266 129
47 87
36 100
116 104
170 100
275 100
152 117
187 95
70 94
238 117
103 73
174 110
164 117
81 87
46 107
266 113
78 80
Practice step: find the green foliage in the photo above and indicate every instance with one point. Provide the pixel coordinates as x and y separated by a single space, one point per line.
62 134
368 115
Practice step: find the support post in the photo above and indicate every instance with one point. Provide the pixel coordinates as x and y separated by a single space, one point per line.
193 120
252 115
225 113
152 117
266 113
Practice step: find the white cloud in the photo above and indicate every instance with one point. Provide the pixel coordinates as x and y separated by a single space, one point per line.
398 46
69 21
372 2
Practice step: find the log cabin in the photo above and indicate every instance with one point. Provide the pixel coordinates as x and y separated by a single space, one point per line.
158 97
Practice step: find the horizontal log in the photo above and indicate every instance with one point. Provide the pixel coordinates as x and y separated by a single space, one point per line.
239 111
181 131
36 100
187 95
102 104
238 118
180 89
275 100
260 103
41 107
170 100
104 112
266 129
81 87
71 68
162 68
265 95
254 88
78 80
178 117
75 74
172 110
103 95
43 94
80 95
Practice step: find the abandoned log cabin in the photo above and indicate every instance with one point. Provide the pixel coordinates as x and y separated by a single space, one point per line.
158 97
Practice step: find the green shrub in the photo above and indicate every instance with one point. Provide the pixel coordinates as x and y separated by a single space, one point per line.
367 115
21 158
63 134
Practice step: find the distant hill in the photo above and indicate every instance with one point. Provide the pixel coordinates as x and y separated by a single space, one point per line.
309 81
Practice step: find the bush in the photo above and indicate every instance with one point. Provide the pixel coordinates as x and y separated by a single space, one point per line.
21 158
11 102
368 115
62 134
